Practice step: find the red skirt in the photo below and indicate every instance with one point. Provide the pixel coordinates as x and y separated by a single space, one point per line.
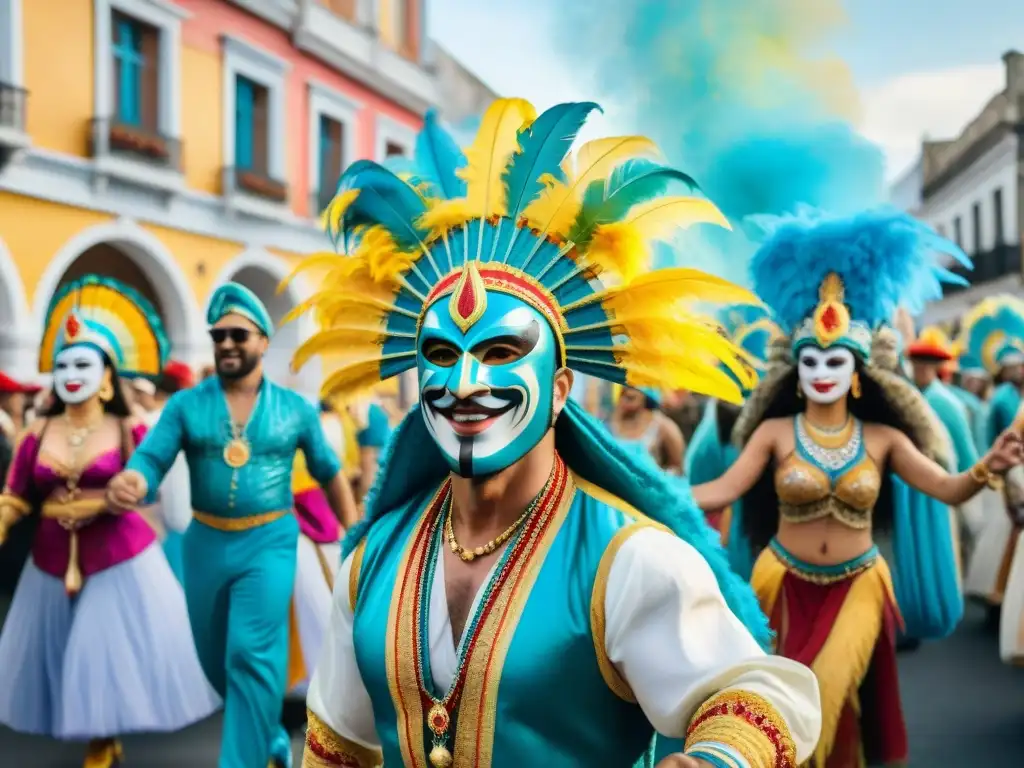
844 628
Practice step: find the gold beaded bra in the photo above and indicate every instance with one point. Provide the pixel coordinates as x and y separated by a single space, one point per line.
828 476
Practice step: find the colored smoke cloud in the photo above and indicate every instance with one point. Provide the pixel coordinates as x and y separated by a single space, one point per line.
736 92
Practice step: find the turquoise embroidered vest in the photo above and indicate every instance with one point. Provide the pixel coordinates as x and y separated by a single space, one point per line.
555 705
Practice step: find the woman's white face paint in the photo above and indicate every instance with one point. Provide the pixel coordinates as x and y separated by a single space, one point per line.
77 374
825 374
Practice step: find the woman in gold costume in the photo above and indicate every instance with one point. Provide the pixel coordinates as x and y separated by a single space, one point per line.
828 422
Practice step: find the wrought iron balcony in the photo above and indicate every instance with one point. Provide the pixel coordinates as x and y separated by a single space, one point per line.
254 183
112 138
12 107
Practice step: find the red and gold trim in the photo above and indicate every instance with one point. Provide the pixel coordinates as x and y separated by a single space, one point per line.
477 723
468 300
325 748
747 723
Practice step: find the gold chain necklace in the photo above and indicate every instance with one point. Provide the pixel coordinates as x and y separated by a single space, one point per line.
829 437
469 555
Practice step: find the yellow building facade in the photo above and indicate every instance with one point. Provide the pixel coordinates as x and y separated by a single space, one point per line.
179 144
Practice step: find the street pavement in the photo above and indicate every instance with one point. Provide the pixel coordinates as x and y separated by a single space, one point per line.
964 709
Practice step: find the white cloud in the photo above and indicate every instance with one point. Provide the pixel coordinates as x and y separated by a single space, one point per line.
936 104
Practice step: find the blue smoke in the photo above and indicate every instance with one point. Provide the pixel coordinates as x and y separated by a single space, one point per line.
733 93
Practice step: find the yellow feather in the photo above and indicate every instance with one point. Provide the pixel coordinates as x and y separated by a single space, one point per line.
662 217
555 209
352 379
324 261
659 339
445 216
332 215
355 340
495 142
665 287
618 251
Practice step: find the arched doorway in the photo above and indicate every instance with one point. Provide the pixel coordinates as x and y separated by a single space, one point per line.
125 251
17 354
261 272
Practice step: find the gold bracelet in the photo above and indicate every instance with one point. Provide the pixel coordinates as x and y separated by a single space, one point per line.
982 475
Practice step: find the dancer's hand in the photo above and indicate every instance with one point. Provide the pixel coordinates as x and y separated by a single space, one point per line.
1006 452
679 760
126 490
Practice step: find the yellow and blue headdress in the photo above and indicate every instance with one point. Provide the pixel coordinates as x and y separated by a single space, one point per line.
516 235
753 330
110 316
834 281
991 336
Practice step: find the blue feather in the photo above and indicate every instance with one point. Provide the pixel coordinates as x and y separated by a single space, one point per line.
884 257
438 158
384 200
542 147
605 201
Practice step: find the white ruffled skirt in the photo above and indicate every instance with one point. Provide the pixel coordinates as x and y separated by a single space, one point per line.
117 659
992 537
1011 620
316 568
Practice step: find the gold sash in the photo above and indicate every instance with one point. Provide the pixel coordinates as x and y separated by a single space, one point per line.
74 510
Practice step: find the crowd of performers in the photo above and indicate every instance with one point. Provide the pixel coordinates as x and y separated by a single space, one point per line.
504 578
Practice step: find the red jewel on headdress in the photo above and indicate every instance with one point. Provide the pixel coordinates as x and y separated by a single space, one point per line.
830 318
469 300
72 326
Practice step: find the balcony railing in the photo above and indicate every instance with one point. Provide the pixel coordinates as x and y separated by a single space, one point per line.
255 182
12 107
112 138
988 266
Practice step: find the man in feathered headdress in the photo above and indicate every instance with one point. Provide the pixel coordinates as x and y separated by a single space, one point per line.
239 433
524 591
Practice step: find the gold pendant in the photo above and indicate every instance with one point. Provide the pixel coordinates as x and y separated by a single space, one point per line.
440 757
237 453
438 720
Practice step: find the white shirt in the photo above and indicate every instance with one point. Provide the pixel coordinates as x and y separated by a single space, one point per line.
668 631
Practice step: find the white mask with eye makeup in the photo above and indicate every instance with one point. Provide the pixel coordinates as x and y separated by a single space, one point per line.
826 375
77 373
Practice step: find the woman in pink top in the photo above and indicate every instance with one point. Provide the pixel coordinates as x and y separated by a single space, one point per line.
97 642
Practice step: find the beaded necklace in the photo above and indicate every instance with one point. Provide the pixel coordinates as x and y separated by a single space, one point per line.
440 710
839 454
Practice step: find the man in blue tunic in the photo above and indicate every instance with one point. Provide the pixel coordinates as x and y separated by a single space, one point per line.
523 590
239 433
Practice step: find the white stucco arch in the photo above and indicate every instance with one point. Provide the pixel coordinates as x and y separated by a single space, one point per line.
180 308
261 272
17 351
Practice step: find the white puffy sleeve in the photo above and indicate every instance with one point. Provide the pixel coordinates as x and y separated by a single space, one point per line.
341 730
693 668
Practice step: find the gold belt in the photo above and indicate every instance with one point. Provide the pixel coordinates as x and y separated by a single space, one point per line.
238 523
75 509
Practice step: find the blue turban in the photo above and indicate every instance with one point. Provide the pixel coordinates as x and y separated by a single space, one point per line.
235 299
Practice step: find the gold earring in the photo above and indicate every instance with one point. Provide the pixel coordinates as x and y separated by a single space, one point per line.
855 386
106 393
799 390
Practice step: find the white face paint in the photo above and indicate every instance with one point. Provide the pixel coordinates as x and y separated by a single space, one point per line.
77 374
825 374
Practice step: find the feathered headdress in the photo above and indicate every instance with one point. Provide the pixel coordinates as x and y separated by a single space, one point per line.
752 329
571 236
991 335
834 281
111 316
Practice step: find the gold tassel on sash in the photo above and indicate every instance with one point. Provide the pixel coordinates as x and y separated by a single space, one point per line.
71 514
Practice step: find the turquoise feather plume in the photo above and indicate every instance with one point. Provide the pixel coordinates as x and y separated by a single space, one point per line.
633 182
384 200
439 159
543 146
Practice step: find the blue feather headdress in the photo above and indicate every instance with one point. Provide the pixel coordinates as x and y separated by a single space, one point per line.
835 281
571 236
991 335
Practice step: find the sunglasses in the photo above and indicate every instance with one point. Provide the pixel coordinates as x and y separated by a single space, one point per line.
237 335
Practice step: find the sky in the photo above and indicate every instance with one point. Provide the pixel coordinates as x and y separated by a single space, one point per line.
920 67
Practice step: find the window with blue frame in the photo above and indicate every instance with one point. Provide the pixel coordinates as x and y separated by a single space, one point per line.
332 158
251 143
136 53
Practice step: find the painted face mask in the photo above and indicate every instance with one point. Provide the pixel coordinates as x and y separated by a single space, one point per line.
486 388
825 374
78 373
